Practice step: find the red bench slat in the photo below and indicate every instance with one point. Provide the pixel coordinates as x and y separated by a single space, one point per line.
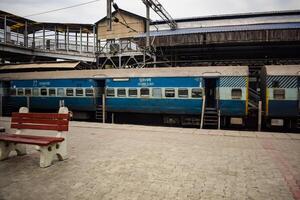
29 139
40 121
41 127
41 115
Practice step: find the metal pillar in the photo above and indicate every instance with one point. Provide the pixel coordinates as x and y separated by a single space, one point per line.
68 38
94 41
76 40
44 38
55 38
80 39
109 15
5 29
259 115
148 26
26 34
33 39
87 41
65 40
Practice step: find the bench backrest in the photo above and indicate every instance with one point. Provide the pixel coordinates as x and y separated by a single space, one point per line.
40 121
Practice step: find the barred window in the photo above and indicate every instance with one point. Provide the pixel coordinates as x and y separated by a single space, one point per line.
279 94
110 92
44 92
121 93
79 92
145 92
170 93
132 92
196 93
236 93
70 92
184 93
89 92
27 92
20 92
52 92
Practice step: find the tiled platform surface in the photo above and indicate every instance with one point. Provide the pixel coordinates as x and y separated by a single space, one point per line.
141 162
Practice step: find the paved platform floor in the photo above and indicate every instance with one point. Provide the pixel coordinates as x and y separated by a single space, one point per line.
140 162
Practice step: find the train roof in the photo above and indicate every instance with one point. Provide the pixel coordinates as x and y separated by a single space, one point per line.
212 71
283 70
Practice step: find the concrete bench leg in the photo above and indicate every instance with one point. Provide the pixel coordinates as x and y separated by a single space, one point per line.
47 155
7 147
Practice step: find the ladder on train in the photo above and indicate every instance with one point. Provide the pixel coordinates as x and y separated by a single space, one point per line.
211 118
99 113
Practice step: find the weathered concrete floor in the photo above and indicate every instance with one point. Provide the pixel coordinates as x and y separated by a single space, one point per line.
137 162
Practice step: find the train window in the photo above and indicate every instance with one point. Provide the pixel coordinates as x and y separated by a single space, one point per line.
132 92
70 92
121 92
35 92
89 92
20 92
27 91
110 92
43 92
183 92
196 93
79 92
13 91
60 92
156 92
236 93
169 92
52 92
279 94
145 92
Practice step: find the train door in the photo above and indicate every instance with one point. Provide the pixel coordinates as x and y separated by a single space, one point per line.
211 92
4 98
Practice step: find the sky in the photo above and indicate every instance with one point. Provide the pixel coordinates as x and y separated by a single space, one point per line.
91 13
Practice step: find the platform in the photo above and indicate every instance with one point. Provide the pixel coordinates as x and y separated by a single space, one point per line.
142 162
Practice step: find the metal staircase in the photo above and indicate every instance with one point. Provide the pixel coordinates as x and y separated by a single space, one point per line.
99 113
210 119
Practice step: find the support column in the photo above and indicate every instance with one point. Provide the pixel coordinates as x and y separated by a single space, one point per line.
33 39
94 37
87 42
55 38
80 39
5 29
65 40
148 26
76 41
44 38
68 38
26 34
109 16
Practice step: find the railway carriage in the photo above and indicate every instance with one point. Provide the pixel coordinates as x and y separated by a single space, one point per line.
79 95
177 94
282 94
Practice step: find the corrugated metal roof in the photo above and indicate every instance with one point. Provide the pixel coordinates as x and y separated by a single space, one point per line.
211 71
234 16
250 27
283 70
58 65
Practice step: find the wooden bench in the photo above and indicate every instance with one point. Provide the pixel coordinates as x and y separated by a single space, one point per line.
49 147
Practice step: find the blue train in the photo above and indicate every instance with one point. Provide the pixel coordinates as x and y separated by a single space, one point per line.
200 96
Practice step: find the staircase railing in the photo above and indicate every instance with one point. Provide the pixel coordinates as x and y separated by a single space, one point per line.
202 113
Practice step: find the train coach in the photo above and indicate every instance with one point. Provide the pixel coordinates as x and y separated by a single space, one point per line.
281 96
183 96
46 95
